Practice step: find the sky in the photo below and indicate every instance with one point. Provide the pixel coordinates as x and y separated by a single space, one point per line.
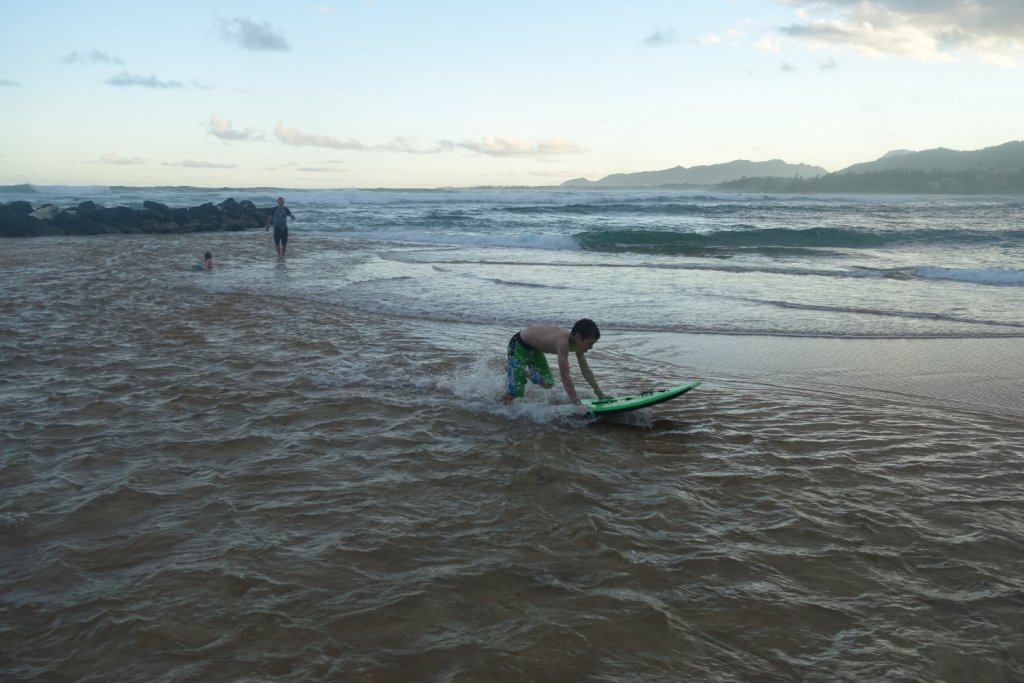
457 93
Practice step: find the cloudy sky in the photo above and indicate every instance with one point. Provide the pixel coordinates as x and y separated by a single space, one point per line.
417 93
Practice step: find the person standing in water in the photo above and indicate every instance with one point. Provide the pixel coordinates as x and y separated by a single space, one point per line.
278 217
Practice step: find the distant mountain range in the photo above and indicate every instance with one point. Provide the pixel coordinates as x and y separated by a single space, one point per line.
944 169
701 175
1005 158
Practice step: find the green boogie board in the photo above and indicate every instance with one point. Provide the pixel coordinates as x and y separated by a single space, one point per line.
619 404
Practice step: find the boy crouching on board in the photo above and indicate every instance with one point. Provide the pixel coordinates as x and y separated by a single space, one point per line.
526 358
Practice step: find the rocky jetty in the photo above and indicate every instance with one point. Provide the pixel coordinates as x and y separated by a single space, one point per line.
21 219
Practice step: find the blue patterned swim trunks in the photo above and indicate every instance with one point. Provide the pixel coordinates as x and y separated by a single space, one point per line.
525 362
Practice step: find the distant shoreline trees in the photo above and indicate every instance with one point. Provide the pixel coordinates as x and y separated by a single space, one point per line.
896 181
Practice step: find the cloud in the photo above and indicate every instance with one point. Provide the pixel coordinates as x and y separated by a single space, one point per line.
659 38
188 163
293 136
769 45
8 83
91 57
404 145
127 80
247 34
117 160
709 39
489 145
788 68
398 145
738 31
323 9
558 147
510 147
222 128
924 30
828 64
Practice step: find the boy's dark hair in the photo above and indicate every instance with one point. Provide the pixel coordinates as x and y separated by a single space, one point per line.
587 329
207 255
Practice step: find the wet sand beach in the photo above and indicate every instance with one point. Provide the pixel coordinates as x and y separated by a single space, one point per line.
234 475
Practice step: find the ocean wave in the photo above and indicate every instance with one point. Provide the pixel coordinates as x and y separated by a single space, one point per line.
995 276
985 276
670 242
64 190
629 208
497 281
23 188
520 241
885 312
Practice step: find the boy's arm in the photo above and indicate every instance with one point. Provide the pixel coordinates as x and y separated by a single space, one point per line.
563 372
587 374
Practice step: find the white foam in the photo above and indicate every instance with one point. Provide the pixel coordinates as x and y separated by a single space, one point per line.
477 388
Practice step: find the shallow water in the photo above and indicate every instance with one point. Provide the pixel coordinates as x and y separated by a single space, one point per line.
296 470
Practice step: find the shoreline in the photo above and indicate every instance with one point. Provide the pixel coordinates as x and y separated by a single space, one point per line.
962 373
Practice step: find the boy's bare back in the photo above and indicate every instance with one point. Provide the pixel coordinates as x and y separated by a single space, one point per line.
545 338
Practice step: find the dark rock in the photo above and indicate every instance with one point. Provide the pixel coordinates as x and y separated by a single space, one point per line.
64 219
229 206
12 223
84 225
18 219
205 214
23 209
42 228
156 210
117 217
